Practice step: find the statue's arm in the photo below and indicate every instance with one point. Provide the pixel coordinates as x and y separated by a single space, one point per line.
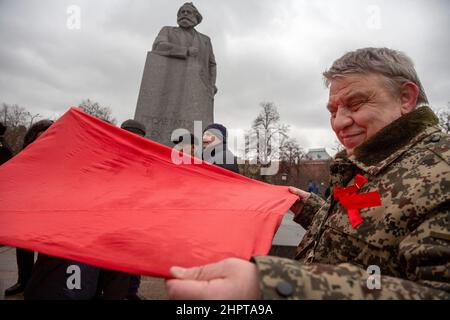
164 47
212 68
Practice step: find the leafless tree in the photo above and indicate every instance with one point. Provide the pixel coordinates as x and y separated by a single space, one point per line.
96 110
268 132
291 152
14 115
17 119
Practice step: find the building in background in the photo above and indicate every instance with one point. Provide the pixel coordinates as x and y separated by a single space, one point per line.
317 154
315 167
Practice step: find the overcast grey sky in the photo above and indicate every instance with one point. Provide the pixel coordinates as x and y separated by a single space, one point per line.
265 51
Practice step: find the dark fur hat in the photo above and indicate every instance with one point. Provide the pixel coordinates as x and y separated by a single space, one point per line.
132 125
34 130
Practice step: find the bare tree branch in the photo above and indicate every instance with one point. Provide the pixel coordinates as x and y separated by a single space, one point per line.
96 110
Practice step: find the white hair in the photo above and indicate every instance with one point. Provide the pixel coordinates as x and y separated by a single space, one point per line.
395 66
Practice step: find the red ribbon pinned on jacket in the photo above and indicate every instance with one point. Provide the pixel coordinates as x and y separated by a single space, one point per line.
352 201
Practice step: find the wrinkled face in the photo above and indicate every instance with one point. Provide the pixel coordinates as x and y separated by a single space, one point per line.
186 17
360 105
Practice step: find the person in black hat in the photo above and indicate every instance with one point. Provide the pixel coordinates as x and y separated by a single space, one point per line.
215 148
35 131
25 258
134 126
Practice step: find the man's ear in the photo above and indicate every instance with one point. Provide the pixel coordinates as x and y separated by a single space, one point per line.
408 97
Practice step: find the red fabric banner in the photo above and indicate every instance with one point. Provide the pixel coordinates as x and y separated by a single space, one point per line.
91 192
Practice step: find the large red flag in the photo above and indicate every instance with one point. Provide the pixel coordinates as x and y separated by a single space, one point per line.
92 192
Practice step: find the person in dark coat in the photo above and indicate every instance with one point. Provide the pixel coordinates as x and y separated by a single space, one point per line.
215 149
25 258
56 278
5 151
51 276
312 187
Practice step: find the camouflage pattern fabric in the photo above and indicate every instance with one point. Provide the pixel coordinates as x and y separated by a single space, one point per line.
407 238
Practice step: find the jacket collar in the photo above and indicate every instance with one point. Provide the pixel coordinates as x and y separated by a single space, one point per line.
392 141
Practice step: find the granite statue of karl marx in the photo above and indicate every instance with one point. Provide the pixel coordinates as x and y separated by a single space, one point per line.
178 85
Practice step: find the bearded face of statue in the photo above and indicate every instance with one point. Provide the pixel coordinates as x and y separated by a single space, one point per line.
187 17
